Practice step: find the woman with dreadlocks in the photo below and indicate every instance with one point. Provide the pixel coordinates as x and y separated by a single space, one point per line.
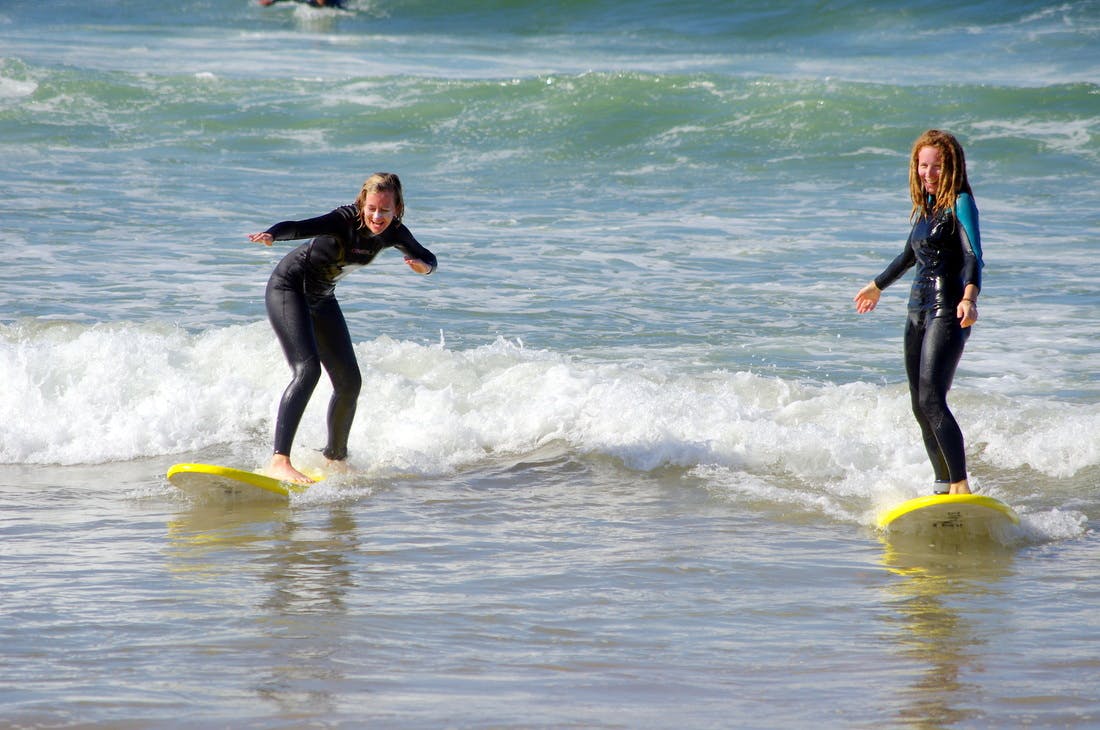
945 247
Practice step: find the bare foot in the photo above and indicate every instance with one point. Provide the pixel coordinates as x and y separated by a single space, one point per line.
280 468
962 487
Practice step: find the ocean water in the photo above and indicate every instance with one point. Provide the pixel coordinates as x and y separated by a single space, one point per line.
617 463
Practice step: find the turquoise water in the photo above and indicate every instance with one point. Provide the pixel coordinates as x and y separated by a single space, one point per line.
618 462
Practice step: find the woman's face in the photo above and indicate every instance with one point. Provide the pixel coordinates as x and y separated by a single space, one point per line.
930 168
379 211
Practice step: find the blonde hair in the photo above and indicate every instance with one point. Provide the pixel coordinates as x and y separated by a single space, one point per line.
381 182
953 180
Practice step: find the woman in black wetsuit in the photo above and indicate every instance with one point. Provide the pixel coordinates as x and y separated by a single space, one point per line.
307 319
945 246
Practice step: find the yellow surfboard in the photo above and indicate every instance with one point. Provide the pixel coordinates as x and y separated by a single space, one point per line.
974 514
212 482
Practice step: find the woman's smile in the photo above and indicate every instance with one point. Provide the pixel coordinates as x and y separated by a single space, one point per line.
930 168
379 210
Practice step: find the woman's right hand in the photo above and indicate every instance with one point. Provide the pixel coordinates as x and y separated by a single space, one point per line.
264 238
867 298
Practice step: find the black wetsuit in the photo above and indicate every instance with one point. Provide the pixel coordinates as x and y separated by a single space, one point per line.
946 250
307 319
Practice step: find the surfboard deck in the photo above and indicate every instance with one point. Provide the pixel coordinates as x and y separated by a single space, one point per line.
975 514
213 482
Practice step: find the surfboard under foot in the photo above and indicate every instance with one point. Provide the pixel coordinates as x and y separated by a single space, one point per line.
974 514
213 482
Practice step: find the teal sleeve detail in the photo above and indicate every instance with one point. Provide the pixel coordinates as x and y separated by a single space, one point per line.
967 213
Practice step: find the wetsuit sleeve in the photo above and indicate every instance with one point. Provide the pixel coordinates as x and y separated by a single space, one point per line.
331 224
901 263
407 244
967 213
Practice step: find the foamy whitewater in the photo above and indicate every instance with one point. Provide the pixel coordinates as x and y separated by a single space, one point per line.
618 462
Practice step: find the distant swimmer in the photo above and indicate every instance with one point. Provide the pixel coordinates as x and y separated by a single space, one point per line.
311 3
945 247
308 322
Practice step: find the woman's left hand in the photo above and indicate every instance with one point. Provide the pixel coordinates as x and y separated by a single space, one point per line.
967 312
418 266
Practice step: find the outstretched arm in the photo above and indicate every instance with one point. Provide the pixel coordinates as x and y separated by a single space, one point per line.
331 223
419 259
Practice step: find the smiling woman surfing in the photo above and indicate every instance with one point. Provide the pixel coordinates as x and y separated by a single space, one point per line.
307 319
945 247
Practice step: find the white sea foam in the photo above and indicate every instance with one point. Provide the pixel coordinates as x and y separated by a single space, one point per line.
16 88
118 392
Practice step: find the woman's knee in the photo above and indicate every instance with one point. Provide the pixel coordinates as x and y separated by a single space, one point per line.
348 382
932 402
307 373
